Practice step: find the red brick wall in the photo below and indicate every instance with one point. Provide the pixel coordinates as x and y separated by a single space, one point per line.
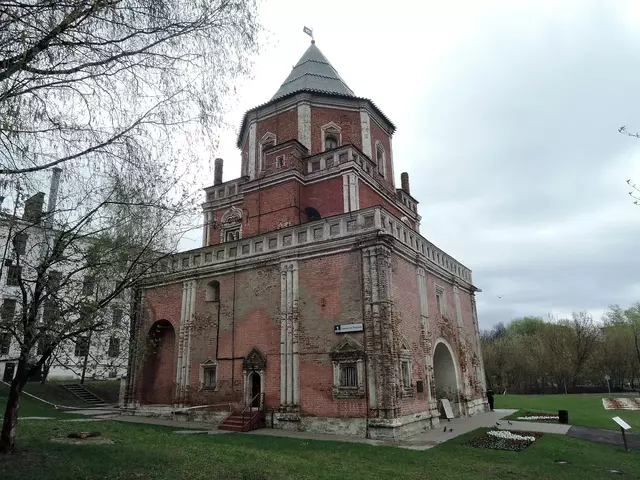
369 197
266 209
347 120
326 197
330 293
249 320
407 314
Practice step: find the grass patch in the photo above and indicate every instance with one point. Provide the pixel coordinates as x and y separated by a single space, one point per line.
584 410
142 451
30 407
150 452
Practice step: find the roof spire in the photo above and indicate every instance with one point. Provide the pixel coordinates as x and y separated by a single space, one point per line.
313 73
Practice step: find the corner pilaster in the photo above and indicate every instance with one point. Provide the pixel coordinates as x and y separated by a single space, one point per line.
379 344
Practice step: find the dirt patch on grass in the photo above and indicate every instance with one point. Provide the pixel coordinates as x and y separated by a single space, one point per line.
84 441
622 403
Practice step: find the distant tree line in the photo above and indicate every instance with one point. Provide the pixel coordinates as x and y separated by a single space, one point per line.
572 355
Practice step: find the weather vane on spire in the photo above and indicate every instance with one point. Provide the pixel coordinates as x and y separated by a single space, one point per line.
309 31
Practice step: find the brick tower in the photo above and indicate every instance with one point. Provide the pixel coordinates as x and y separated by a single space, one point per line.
314 299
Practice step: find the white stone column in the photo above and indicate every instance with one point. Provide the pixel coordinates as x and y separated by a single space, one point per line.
424 327
253 132
181 345
459 321
289 354
466 382
354 198
345 192
191 285
474 311
283 335
365 125
296 346
304 125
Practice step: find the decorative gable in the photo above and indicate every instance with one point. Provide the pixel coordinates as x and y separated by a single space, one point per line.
232 216
255 360
347 349
209 362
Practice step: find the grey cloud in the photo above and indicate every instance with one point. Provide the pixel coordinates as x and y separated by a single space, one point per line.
522 171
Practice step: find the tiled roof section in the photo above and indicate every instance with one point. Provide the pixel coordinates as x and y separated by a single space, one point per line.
314 73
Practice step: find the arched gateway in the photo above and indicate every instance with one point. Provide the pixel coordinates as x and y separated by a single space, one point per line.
446 375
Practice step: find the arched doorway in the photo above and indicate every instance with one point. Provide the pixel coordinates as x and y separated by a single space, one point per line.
256 388
445 375
254 366
160 364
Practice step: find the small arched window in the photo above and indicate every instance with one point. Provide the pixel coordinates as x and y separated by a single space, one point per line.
213 291
330 142
312 214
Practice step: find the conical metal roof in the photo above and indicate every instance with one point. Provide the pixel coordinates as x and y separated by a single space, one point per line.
314 73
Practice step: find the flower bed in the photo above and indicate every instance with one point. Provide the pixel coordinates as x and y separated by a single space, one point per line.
538 417
511 440
622 403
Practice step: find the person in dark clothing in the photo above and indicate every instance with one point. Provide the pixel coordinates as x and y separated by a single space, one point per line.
490 399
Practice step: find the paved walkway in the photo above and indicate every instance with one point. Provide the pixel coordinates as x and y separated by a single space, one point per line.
421 441
608 437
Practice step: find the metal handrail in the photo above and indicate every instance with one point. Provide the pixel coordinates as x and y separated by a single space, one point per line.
261 395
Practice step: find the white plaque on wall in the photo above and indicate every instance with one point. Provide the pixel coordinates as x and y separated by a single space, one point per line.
349 327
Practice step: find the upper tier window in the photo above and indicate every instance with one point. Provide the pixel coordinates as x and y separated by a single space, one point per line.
330 142
331 136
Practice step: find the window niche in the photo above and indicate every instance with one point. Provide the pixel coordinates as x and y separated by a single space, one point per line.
331 136
231 225
209 375
268 140
441 301
348 369
406 369
212 292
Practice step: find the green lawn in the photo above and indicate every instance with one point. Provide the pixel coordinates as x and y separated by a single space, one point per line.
584 410
146 452
156 453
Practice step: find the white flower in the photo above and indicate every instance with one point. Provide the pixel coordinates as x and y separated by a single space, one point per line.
539 417
506 434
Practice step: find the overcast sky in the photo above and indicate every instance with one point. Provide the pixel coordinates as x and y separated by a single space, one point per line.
507 116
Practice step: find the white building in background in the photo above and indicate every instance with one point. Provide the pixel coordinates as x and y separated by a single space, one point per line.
100 354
